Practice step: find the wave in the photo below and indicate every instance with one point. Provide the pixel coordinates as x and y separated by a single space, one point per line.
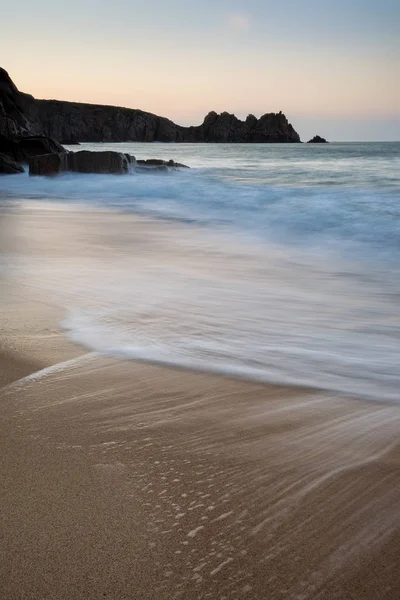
250 264
342 219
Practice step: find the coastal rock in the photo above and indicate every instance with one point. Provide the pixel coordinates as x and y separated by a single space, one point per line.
131 160
13 121
86 161
8 166
10 147
153 163
21 149
79 162
318 140
48 164
96 123
36 144
226 127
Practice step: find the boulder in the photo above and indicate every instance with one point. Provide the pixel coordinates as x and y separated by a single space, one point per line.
48 164
8 166
318 140
35 145
86 161
79 162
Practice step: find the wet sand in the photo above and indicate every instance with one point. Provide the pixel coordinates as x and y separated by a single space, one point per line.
127 480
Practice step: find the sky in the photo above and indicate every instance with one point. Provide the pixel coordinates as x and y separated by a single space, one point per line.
332 66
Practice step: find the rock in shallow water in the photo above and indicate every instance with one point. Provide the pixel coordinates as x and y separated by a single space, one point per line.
157 164
48 164
79 162
86 161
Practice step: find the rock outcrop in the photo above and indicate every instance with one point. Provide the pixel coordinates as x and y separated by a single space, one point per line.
8 166
34 145
227 128
115 163
18 138
48 164
158 162
13 121
85 161
318 140
96 123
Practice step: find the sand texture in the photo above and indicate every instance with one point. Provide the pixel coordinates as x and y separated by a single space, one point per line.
125 480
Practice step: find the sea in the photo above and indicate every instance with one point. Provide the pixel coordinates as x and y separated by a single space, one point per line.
272 262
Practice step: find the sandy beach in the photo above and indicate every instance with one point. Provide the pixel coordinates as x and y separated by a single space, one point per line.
122 479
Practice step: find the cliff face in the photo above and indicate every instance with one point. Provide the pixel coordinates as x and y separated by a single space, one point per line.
225 127
13 122
21 115
96 123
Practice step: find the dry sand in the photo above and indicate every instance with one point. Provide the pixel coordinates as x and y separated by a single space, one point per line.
126 480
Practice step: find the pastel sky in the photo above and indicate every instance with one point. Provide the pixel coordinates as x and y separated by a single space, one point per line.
332 66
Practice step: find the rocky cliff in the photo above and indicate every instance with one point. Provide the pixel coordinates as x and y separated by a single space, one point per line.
21 114
13 122
96 123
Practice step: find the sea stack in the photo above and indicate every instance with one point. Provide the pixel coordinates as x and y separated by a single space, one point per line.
317 139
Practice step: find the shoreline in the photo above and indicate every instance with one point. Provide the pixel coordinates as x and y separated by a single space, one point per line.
129 480
124 479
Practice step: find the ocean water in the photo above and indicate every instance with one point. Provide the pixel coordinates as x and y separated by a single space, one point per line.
273 262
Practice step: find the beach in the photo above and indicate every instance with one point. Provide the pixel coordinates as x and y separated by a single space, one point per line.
126 479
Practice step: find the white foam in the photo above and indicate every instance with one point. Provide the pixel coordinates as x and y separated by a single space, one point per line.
308 305
51 370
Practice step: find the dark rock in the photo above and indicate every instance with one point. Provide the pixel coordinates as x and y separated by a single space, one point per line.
317 140
48 164
152 163
176 165
151 169
95 123
8 166
79 162
10 147
36 144
21 149
13 121
225 127
97 162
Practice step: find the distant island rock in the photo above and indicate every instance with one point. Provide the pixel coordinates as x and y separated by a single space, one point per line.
317 139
